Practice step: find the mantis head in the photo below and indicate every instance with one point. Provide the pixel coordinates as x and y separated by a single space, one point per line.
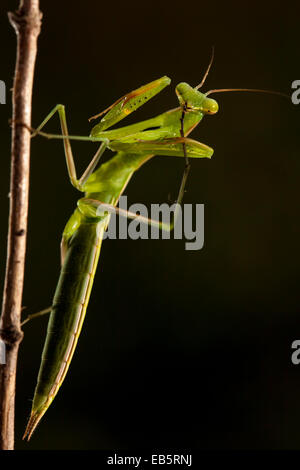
193 100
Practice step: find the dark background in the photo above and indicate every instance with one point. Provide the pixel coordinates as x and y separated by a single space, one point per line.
179 348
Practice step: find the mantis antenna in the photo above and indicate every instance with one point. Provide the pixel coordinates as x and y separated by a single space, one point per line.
254 90
222 90
207 70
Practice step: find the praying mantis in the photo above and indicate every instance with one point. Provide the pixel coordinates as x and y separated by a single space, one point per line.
135 144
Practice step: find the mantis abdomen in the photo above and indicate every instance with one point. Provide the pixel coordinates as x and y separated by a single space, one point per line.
67 315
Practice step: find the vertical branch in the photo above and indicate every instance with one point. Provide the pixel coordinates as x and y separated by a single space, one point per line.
26 22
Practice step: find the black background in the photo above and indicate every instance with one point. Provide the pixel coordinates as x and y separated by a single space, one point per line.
179 348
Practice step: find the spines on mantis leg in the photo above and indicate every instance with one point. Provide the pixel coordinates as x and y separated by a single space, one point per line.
130 102
67 315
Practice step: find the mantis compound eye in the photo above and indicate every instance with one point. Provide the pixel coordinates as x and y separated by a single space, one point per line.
209 106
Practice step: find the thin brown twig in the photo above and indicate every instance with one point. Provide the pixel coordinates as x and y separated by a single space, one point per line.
26 22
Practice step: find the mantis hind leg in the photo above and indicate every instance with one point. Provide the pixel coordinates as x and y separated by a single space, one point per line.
31 316
63 252
96 208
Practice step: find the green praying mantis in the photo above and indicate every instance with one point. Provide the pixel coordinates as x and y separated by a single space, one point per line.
135 144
